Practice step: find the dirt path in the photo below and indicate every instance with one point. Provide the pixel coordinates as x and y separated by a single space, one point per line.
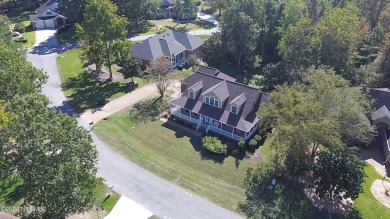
127 100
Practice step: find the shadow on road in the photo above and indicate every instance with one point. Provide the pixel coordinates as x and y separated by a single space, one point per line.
51 45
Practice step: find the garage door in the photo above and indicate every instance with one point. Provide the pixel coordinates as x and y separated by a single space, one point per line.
39 25
49 24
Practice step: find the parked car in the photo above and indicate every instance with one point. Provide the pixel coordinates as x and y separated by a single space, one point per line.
17 37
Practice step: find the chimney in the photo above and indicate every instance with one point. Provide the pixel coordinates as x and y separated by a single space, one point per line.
183 86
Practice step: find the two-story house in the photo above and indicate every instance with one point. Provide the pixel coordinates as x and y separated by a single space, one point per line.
213 101
47 16
174 45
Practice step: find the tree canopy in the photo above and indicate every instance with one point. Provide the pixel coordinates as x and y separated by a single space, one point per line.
101 30
53 157
322 110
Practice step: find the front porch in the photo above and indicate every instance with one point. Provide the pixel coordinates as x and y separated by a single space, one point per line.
212 125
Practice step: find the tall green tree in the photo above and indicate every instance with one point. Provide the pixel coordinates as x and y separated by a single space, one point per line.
213 51
134 10
322 110
297 46
338 35
73 10
52 155
338 174
101 30
240 30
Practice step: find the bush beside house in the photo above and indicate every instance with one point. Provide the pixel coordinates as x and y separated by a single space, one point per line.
214 145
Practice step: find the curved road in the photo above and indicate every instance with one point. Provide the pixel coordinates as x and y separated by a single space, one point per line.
154 193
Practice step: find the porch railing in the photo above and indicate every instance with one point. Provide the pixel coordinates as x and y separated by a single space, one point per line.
176 111
226 133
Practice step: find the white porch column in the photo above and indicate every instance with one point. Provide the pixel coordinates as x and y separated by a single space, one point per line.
232 131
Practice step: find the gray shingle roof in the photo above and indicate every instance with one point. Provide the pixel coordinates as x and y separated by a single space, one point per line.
239 100
214 72
246 117
43 8
381 96
197 86
166 44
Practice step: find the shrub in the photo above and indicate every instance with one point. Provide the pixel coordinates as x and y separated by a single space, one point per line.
19 27
100 102
241 144
253 143
213 144
180 67
257 137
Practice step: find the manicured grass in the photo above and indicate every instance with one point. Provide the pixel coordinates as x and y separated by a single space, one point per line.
79 86
30 36
367 204
176 155
101 192
204 37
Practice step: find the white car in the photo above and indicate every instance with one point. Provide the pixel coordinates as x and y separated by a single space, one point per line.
17 37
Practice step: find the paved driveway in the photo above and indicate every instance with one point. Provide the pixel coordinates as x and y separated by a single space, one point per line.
154 193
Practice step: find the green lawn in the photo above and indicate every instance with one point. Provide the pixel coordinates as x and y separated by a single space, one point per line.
204 37
367 205
30 36
177 156
78 85
101 197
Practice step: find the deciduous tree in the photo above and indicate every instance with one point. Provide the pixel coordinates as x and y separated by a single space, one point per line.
213 51
73 10
338 174
322 110
52 155
101 30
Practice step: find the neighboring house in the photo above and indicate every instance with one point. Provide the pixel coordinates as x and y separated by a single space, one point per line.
213 101
174 45
381 119
168 10
47 16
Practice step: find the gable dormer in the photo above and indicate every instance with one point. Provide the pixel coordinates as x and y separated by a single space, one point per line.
193 91
216 95
236 103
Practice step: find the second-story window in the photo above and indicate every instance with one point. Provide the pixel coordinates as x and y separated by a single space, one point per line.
191 95
212 101
48 13
234 109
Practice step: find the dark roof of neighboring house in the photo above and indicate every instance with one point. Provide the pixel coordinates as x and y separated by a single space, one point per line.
381 96
167 3
43 8
166 44
214 72
231 91
36 18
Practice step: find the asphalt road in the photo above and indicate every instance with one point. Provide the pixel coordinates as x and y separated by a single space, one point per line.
159 196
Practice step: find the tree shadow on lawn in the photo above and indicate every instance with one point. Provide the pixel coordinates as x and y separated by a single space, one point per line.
11 191
181 130
83 87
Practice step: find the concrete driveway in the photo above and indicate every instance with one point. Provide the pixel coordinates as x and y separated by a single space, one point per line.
154 193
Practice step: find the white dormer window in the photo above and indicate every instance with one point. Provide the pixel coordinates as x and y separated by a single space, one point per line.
234 109
212 101
191 95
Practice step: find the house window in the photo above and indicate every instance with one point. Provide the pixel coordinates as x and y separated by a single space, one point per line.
191 95
212 101
206 119
207 100
48 13
234 109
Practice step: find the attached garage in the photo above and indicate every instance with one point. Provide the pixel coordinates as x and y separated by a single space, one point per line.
38 24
